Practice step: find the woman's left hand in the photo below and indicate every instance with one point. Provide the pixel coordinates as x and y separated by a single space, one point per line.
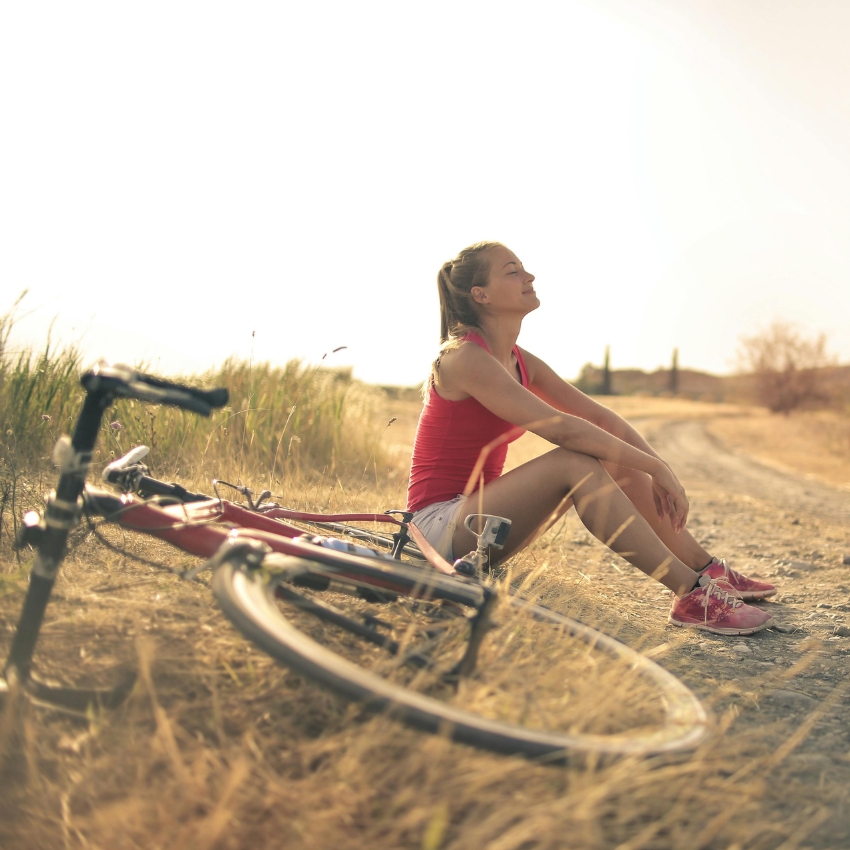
669 496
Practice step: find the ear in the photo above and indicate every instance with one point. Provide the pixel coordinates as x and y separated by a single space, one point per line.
479 295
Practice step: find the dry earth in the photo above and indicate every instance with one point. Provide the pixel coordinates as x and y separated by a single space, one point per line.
788 527
221 748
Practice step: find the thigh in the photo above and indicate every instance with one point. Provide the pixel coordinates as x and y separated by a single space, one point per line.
532 496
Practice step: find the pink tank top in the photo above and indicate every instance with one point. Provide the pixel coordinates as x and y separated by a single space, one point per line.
449 439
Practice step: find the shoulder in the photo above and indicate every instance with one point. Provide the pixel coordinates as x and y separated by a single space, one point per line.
460 365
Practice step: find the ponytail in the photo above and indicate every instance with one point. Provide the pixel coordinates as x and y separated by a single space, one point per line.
455 281
458 312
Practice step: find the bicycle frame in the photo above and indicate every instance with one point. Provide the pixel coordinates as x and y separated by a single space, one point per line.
129 475
196 527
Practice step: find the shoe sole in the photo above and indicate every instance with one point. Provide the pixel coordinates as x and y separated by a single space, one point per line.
705 627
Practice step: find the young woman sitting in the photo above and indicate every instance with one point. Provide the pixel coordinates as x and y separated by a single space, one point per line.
484 387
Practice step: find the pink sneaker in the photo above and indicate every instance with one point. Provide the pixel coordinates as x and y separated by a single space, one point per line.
717 608
749 589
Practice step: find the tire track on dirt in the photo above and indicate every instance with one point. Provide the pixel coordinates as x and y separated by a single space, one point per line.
698 456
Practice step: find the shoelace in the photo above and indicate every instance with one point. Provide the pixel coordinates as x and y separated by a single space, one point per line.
727 597
728 572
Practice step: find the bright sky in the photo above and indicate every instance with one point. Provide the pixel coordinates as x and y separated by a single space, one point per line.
181 182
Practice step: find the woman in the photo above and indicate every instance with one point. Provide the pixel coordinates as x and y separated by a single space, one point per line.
482 386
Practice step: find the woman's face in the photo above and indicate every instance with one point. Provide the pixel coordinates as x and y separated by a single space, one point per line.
510 287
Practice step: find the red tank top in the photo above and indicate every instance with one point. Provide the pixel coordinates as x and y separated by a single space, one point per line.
449 439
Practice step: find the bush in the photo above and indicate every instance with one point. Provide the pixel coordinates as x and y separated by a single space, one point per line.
788 369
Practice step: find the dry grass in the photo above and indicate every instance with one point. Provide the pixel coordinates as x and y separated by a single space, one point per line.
218 747
807 442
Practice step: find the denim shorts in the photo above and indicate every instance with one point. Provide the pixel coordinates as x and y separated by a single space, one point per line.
438 523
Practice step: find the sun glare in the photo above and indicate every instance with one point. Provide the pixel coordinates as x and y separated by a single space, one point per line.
183 184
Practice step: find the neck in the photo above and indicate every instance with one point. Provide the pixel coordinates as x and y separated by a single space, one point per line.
501 335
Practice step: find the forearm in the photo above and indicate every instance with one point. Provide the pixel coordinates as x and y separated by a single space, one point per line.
579 435
564 398
614 424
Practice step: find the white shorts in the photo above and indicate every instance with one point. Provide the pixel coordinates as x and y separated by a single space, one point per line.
438 523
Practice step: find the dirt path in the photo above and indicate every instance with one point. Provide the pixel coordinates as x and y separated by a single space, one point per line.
795 532
696 454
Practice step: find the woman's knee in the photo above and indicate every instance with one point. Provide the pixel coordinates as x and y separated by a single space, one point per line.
577 469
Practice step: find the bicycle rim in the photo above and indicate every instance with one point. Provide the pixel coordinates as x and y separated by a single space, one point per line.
492 711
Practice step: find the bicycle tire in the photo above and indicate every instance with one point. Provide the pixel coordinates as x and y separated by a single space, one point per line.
247 594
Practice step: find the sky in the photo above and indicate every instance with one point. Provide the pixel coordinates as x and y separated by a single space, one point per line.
184 182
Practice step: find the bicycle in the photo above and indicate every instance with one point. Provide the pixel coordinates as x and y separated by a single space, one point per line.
273 582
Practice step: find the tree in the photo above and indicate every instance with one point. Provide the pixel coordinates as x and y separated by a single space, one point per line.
786 367
606 373
674 373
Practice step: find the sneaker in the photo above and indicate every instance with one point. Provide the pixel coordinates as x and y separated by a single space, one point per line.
749 589
717 608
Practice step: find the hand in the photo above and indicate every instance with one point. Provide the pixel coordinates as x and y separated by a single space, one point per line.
669 496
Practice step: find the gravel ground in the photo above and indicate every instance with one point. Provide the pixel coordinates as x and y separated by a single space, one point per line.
789 530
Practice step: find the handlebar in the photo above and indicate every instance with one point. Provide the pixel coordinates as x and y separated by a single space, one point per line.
103 384
120 381
130 474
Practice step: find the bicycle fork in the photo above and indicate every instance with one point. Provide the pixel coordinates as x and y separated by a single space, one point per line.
49 534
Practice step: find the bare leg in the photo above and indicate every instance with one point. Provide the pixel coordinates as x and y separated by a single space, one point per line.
638 487
534 493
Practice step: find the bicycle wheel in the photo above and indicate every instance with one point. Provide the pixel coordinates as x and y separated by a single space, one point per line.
518 696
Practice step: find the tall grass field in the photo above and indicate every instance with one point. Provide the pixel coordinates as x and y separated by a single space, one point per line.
293 429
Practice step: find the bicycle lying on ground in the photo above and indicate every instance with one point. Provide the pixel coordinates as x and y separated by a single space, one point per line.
448 653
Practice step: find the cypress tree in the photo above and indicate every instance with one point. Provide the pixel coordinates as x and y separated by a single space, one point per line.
606 372
674 373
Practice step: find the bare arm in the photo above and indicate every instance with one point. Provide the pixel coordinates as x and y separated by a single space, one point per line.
471 371
555 391
549 386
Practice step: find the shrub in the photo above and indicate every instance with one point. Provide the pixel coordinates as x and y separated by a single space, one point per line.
787 368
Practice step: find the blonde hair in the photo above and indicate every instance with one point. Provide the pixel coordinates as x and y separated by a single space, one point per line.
455 280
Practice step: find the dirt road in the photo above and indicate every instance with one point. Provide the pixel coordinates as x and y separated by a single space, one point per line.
794 531
699 457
